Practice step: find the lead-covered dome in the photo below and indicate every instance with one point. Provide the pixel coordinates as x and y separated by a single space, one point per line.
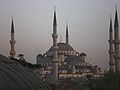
13 76
73 59
63 47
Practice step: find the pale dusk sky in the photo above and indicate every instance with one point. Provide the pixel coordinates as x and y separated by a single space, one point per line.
88 22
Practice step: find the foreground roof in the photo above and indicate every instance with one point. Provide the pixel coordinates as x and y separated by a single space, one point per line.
13 76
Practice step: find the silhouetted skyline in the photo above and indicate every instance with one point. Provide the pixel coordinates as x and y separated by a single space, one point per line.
88 23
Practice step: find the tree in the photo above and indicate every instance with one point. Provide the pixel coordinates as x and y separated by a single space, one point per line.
110 81
21 57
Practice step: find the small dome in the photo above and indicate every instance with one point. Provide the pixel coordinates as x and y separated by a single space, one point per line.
39 55
13 76
63 47
83 54
47 59
72 59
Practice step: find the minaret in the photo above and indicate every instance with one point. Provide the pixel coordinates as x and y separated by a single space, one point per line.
116 44
111 62
67 36
12 41
55 48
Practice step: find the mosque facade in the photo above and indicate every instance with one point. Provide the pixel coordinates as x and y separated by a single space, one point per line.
62 61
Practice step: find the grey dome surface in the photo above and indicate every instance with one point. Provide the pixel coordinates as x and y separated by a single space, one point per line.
47 59
63 47
13 76
73 59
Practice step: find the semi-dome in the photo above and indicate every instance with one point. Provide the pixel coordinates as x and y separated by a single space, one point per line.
40 55
15 77
83 54
63 47
73 59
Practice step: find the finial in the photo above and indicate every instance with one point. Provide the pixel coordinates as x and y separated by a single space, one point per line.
54 21
116 19
60 38
12 17
67 36
66 23
111 16
12 26
54 8
110 23
116 7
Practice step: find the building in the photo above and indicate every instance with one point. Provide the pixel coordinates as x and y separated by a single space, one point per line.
62 61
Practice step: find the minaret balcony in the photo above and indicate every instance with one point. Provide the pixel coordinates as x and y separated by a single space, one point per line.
116 41
111 63
117 56
12 41
111 41
12 52
111 51
54 35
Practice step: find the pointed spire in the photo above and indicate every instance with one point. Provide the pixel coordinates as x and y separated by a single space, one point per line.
12 41
110 25
55 20
66 30
12 26
67 36
116 19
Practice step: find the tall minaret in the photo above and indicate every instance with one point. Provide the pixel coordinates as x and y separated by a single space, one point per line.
67 36
111 62
12 41
55 48
116 44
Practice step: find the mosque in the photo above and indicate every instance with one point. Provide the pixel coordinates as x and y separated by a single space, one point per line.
62 61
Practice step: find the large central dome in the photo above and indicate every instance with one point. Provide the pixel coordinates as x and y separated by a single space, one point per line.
63 47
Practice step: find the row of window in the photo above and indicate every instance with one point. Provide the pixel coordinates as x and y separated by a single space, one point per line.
78 63
46 64
63 52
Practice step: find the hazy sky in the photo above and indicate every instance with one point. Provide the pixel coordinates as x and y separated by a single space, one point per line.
88 22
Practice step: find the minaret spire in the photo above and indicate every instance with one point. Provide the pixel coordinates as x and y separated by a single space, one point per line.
55 48
111 61
12 41
116 19
67 36
12 26
55 20
116 43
